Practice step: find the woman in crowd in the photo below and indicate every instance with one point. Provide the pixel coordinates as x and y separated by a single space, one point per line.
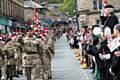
101 53
115 69
87 37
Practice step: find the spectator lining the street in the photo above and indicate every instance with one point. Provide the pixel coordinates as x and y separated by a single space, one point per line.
115 69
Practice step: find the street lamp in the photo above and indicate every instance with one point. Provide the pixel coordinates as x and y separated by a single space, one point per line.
76 10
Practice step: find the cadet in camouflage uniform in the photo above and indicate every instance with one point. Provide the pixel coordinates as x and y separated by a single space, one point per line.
31 57
47 56
55 33
45 59
18 53
50 44
41 66
11 63
3 60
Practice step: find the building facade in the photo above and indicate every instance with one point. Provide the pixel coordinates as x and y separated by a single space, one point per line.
11 11
89 10
116 3
29 10
37 1
12 8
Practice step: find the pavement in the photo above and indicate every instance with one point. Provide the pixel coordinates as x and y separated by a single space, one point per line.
64 64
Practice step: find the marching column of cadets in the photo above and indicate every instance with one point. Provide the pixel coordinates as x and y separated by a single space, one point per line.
28 53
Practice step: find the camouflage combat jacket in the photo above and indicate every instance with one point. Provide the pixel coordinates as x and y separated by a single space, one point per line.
31 52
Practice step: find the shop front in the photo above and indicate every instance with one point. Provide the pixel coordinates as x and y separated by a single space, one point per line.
3 25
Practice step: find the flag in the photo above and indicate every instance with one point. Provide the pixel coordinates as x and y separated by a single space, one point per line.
105 2
35 16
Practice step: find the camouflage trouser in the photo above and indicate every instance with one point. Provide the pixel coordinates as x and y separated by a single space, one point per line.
47 72
19 63
37 73
34 73
50 72
28 73
46 62
3 72
4 69
33 67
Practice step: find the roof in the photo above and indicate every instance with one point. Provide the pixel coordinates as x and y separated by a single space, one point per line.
31 4
54 5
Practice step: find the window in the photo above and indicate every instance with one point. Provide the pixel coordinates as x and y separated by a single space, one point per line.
10 5
0 5
12 9
100 4
97 4
3 6
6 7
98 22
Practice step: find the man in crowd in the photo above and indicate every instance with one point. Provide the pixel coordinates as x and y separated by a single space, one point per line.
108 17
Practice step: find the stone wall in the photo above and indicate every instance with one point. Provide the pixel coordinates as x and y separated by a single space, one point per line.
93 19
115 3
84 5
92 16
29 13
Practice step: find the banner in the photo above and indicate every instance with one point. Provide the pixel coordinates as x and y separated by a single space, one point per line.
35 16
114 44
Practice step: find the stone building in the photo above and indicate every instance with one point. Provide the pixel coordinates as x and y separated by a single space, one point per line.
37 1
29 10
44 14
11 12
116 3
12 8
90 10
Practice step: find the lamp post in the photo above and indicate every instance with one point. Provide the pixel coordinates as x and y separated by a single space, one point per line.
76 10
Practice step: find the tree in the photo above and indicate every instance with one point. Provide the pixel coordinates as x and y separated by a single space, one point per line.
68 6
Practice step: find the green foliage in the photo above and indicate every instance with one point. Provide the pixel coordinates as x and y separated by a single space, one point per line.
68 6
